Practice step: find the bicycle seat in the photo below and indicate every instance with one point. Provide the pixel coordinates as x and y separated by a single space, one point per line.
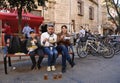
91 38
101 37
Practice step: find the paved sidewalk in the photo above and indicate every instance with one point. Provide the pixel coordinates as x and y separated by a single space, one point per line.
92 69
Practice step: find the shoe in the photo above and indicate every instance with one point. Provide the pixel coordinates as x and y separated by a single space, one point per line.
48 68
39 66
53 68
72 64
63 70
33 67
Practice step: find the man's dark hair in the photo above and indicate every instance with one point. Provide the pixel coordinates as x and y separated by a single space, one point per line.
81 27
44 28
63 26
32 32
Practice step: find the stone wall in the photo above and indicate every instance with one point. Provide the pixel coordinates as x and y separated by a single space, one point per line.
63 12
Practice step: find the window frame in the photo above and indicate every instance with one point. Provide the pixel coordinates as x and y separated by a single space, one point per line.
80 8
91 13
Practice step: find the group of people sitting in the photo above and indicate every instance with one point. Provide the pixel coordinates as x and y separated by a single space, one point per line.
50 44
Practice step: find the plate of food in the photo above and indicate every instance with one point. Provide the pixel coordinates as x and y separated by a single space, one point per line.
67 38
32 48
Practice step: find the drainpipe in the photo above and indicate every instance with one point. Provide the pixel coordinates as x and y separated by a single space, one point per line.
98 19
70 29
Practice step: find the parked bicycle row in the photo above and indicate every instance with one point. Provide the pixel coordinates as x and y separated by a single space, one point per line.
106 46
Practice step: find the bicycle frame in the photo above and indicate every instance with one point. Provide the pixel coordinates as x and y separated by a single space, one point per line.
89 43
93 46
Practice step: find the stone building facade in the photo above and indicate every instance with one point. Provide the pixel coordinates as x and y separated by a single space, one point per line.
74 13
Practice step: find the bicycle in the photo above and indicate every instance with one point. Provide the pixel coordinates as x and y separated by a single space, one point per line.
94 46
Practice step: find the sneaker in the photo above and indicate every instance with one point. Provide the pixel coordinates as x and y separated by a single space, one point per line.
48 68
63 70
53 68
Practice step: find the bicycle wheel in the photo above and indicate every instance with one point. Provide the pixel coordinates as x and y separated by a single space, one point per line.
117 48
81 52
108 52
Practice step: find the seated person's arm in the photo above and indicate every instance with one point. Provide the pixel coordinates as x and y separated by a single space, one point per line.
28 44
60 38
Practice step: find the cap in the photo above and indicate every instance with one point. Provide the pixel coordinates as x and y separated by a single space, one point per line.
50 25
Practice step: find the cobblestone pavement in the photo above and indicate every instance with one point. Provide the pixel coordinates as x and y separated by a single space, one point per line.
93 69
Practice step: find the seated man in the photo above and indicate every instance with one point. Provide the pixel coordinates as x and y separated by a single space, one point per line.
63 43
48 40
34 47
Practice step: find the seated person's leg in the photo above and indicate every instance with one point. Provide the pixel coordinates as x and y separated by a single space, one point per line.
59 49
65 51
55 55
71 47
66 54
50 55
32 56
41 56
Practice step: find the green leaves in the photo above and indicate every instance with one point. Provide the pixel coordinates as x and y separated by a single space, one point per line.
3 4
25 4
41 2
20 5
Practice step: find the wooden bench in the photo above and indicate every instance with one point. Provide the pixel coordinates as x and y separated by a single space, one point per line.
7 59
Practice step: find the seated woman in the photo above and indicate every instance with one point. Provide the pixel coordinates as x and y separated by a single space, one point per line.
63 43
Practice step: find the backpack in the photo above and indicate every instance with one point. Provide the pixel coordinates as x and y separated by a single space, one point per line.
14 45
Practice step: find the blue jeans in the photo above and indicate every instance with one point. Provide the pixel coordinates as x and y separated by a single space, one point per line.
5 50
65 54
52 55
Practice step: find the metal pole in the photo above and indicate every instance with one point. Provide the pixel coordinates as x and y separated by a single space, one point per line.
43 10
70 30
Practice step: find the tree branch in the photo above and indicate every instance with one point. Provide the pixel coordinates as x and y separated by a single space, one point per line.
116 7
108 9
117 2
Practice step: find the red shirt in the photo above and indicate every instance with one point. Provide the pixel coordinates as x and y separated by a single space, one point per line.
7 30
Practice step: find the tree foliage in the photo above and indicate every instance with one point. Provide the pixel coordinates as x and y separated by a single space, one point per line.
115 5
41 2
21 5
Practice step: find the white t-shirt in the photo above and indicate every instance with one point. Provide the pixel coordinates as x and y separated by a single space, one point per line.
26 30
82 33
52 37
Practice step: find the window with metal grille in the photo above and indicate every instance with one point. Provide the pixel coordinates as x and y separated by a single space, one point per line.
91 13
80 8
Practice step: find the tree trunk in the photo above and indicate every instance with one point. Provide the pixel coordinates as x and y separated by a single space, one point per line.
20 20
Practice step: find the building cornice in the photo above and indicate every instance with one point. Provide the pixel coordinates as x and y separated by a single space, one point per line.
94 1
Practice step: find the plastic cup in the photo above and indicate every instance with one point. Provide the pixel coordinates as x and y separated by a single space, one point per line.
59 75
45 76
55 76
